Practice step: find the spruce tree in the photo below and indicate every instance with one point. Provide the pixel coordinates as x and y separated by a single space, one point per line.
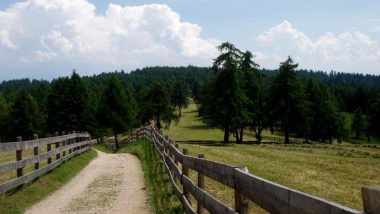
180 95
117 110
154 104
287 100
224 103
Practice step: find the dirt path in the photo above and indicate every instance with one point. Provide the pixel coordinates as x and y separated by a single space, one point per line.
111 183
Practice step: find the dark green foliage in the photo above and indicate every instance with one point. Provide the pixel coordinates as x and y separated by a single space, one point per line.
254 90
70 106
25 117
4 111
358 123
180 95
154 104
117 109
324 121
224 102
287 100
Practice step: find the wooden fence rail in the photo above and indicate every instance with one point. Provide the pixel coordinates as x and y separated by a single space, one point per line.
270 196
68 145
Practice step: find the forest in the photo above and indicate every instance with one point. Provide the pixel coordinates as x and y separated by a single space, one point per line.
233 94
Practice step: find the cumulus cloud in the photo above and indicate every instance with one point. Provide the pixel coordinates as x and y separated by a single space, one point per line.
128 36
348 51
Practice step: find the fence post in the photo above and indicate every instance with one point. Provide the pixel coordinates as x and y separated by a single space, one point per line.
57 156
35 152
48 148
20 171
371 199
185 172
241 202
201 184
63 144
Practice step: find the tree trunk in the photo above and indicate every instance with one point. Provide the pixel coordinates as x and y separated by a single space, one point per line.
116 141
241 134
237 136
158 122
226 135
286 130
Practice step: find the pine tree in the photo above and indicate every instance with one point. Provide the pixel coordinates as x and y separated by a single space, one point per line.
358 123
287 99
154 104
180 96
225 99
117 110
25 118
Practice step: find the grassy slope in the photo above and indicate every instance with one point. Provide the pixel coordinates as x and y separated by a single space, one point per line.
335 172
161 197
19 200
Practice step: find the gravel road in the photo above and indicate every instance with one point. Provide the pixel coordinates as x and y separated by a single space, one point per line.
111 183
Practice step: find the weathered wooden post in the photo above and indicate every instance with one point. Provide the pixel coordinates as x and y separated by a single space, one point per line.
57 156
20 171
201 184
63 145
35 152
48 148
185 172
241 202
371 199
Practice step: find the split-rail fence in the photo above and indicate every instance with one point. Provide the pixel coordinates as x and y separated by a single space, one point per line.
66 146
248 188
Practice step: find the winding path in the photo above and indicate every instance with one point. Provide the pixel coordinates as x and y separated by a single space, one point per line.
111 183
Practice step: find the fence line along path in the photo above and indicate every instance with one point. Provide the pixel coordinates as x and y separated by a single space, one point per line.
65 146
270 196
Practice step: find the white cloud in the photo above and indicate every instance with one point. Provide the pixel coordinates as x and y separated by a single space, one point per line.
346 52
44 55
132 36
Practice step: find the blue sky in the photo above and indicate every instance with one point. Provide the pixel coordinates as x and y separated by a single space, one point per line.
49 38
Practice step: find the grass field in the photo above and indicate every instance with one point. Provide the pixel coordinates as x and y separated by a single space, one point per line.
335 172
18 201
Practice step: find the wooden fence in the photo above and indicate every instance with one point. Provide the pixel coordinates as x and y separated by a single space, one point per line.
248 188
112 146
66 145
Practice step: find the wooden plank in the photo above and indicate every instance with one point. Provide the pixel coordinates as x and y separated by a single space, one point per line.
29 144
187 205
210 203
371 199
37 173
222 173
276 198
36 159
173 167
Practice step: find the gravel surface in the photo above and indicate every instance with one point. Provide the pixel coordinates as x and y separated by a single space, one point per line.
111 183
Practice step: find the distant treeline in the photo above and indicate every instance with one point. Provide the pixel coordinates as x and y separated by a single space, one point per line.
152 93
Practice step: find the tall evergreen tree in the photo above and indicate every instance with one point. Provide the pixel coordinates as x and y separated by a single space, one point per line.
358 123
25 116
180 95
117 110
154 104
287 99
4 110
254 91
225 103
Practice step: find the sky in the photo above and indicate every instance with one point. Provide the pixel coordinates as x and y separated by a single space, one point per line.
45 39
